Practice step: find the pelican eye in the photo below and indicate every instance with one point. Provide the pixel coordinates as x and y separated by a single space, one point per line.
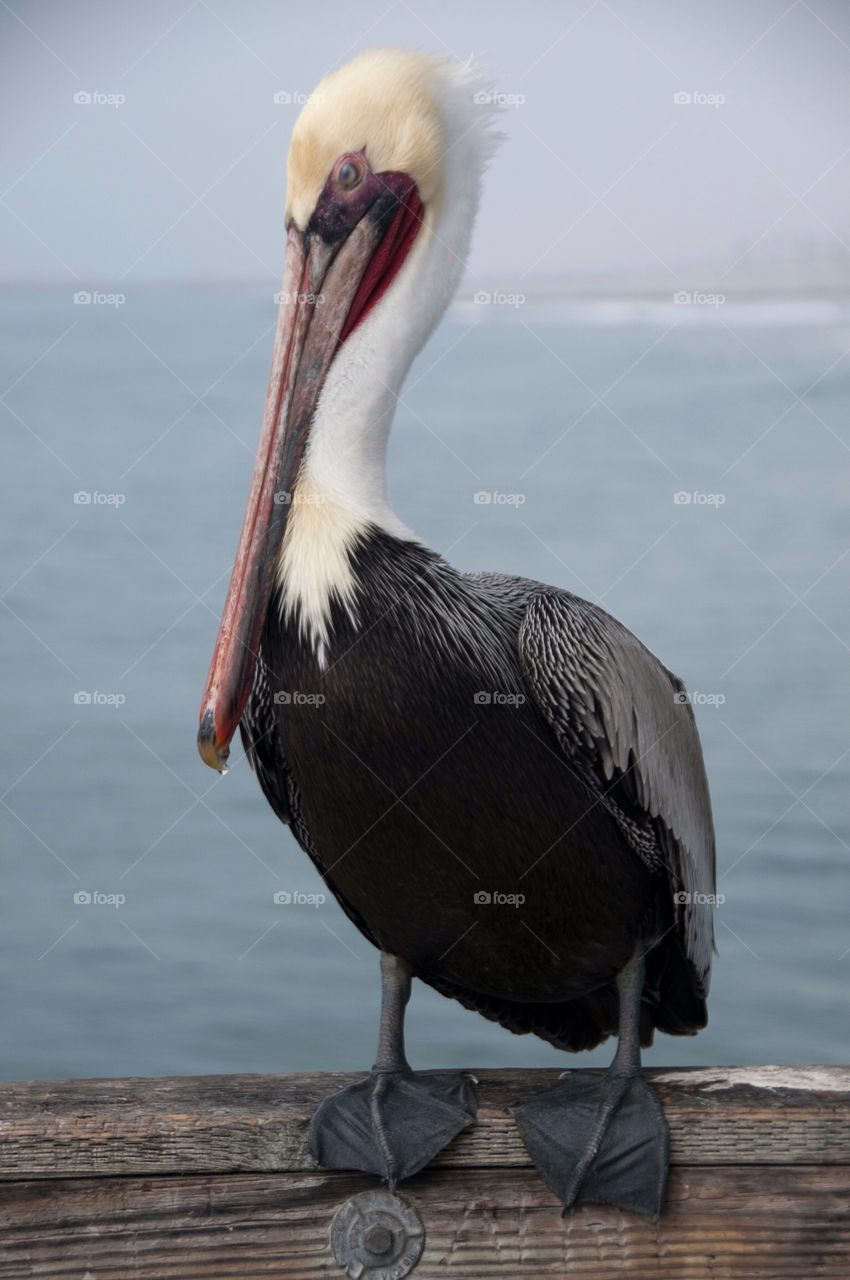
349 175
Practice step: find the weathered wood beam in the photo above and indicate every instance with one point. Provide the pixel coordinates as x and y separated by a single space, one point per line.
207 1178
754 1222
256 1124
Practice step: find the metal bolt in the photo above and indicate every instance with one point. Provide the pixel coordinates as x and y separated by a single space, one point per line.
376 1233
378 1239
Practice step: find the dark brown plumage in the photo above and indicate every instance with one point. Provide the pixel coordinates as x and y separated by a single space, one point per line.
577 784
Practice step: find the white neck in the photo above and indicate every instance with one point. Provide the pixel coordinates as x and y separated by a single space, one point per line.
342 488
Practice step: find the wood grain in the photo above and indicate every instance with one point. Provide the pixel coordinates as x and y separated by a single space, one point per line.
257 1124
207 1178
750 1223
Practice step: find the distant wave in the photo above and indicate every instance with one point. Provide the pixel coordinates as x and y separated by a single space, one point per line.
627 312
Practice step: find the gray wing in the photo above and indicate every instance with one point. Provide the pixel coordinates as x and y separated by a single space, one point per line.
626 723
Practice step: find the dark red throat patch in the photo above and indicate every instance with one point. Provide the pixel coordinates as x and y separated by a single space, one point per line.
388 258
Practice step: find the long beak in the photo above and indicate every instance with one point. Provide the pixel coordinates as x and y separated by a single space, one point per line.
319 284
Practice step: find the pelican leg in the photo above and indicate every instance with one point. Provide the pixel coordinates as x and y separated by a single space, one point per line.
395 1121
603 1139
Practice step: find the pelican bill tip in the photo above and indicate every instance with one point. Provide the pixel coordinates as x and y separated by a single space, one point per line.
210 750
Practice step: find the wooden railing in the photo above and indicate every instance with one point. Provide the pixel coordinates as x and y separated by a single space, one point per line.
208 1177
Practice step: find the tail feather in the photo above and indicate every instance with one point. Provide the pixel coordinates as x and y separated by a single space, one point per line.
672 1003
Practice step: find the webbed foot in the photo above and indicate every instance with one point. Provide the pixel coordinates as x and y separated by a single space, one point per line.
599 1140
392 1123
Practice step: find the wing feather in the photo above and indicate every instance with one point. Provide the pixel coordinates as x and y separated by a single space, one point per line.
626 722
261 741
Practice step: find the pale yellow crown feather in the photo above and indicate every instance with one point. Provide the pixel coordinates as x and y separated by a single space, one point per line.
382 100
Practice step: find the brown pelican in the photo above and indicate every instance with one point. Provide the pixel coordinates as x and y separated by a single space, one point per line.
503 788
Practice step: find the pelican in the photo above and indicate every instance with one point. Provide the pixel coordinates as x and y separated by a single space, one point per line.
503 788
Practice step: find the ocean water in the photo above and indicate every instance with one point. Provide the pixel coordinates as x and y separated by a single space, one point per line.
582 423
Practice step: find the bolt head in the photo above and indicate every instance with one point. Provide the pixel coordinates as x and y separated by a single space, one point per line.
378 1239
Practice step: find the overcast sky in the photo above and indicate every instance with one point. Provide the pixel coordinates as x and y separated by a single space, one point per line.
601 170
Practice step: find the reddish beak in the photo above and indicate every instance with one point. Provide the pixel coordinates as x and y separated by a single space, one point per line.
308 329
327 290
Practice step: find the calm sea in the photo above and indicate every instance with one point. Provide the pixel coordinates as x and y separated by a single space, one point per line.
582 423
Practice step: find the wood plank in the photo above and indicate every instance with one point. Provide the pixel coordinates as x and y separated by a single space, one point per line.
252 1123
721 1223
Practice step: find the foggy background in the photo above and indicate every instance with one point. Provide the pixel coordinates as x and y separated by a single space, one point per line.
130 420
602 171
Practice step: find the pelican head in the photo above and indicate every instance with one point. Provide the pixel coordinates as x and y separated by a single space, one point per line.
383 180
